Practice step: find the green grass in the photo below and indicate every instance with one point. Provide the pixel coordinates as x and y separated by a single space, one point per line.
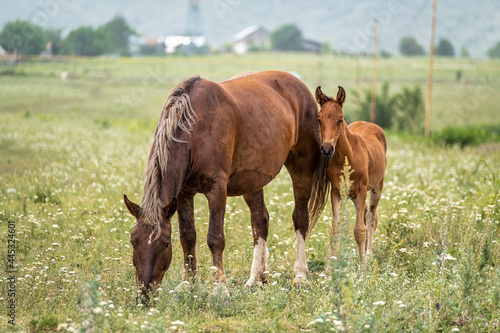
70 149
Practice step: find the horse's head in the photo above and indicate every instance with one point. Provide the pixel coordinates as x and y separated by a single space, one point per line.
152 249
331 120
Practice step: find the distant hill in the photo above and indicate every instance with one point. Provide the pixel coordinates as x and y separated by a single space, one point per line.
475 24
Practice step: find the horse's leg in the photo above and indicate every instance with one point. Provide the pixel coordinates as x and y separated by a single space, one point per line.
336 211
187 233
260 225
372 215
302 185
360 227
217 196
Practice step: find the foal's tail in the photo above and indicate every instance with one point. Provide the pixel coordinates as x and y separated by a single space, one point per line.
319 195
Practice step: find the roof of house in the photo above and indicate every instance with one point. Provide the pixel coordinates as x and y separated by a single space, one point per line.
247 32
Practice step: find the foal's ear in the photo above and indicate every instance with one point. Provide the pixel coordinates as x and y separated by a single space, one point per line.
169 210
320 97
340 96
132 207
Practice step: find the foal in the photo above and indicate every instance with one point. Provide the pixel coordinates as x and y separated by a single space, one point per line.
365 147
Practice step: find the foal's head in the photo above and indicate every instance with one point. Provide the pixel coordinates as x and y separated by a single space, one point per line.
331 120
152 250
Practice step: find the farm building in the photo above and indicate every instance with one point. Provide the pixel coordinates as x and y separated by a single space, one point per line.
183 43
253 36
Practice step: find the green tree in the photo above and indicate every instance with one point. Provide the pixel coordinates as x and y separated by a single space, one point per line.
445 48
494 52
117 33
53 36
464 52
288 37
84 41
22 37
408 46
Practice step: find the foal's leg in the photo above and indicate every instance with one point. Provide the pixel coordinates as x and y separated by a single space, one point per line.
336 211
187 233
360 227
217 196
260 226
372 215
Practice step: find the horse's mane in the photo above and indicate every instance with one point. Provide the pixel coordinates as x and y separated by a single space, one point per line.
177 113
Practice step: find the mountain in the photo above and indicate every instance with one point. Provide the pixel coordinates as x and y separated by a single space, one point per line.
348 26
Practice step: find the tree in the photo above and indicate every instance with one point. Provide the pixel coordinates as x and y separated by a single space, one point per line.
494 52
408 46
287 38
22 37
445 48
117 33
464 52
53 36
84 41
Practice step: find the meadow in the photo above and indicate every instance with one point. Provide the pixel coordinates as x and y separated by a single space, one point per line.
75 135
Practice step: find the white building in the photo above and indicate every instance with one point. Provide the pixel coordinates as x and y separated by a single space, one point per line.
253 36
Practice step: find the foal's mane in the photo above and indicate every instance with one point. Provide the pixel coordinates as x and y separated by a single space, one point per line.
177 113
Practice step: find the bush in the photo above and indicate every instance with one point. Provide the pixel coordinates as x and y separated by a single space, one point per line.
384 107
403 112
467 136
410 111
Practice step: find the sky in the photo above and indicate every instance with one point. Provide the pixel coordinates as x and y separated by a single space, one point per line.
346 25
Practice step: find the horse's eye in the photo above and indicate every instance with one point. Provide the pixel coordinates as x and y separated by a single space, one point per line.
319 120
167 246
133 244
339 122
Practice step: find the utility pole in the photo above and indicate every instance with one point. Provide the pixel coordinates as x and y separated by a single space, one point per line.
358 84
428 105
373 100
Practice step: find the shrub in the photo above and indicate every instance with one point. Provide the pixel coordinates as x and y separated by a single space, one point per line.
467 136
410 111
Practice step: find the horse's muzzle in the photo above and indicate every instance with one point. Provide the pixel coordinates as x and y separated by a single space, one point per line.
327 150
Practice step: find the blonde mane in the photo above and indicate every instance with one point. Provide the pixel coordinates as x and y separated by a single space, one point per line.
177 113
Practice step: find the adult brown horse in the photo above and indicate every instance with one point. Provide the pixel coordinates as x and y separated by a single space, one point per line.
364 145
227 139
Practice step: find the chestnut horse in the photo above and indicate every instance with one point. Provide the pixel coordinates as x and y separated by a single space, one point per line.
365 147
227 139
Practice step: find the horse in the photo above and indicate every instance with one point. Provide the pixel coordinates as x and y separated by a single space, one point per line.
227 139
364 145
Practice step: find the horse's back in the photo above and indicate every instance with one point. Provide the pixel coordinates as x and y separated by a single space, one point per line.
376 144
251 122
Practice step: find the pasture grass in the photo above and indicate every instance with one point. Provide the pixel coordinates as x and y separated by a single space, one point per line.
70 149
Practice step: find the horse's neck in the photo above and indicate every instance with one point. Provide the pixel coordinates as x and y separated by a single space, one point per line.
177 167
343 148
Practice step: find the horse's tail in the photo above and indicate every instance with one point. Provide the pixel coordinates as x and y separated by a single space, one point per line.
177 113
320 190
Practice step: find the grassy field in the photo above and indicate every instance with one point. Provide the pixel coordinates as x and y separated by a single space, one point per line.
70 149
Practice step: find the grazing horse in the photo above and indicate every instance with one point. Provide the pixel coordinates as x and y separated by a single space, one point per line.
227 139
364 145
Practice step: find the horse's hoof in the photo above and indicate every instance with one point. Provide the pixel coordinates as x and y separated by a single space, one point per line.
300 278
219 297
250 283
